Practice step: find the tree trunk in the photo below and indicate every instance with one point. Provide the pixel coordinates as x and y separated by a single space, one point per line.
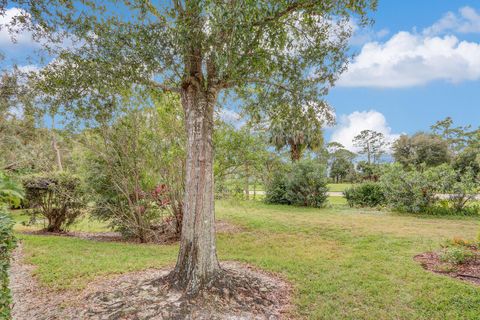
197 264
58 155
247 189
295 152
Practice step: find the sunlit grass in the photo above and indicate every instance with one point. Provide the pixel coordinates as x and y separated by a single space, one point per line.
84 223
343 263
338 187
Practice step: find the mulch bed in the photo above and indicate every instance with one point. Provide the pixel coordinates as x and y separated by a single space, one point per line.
253 294
469 271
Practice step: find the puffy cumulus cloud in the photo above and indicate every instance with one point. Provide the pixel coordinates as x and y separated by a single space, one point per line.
466 21
351 125
20 37
409 59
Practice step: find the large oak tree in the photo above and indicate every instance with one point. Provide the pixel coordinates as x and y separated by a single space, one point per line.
264 52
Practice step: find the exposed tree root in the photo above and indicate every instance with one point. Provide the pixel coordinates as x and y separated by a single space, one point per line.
238 292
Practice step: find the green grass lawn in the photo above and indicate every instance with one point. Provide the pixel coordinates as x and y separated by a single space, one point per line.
337 201
343 263
338 187
84 223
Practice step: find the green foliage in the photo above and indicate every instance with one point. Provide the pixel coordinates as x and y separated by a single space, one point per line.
368 171
341 162
460 188
10 194
296 129
304 185
307 185
135 169
421 148
7 244
57 196
407 191
439 190
468 160
457 255
367 194
241 158
456 137
372 144
276 190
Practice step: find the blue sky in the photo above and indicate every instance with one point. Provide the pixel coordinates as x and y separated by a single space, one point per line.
419 63
418 43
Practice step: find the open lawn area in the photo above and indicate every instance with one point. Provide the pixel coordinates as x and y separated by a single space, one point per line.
343 263
338 187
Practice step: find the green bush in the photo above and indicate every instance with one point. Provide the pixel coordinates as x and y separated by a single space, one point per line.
11 194
7 244
135 171
276 189
457 255
304 185
307 185
57 196
367 194
408 191
445 208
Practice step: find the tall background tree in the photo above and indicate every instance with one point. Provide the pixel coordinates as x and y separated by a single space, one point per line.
372 144
272 54
295 129
421 148
340 162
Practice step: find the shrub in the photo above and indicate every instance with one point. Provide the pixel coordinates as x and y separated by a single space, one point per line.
460 187
457 255
276 189
458 242
307 185
7 244
135 169
408 191
303 185
57 196
445 208
367 194
10 195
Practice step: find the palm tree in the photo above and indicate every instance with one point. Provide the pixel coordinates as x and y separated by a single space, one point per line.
296 129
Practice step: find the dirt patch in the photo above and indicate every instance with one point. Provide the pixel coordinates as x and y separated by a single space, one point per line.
469 271
222 226
146 295
30 301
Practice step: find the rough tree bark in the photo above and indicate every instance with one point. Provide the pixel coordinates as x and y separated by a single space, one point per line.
295 153
197 265
247 189
58 155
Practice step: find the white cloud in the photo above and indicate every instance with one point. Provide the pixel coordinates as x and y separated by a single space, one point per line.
411 59
29 68
466 21
21 37
351 125
231 117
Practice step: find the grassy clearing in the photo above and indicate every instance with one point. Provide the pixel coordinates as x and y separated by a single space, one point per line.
337 201
338 187
344 263
84 223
